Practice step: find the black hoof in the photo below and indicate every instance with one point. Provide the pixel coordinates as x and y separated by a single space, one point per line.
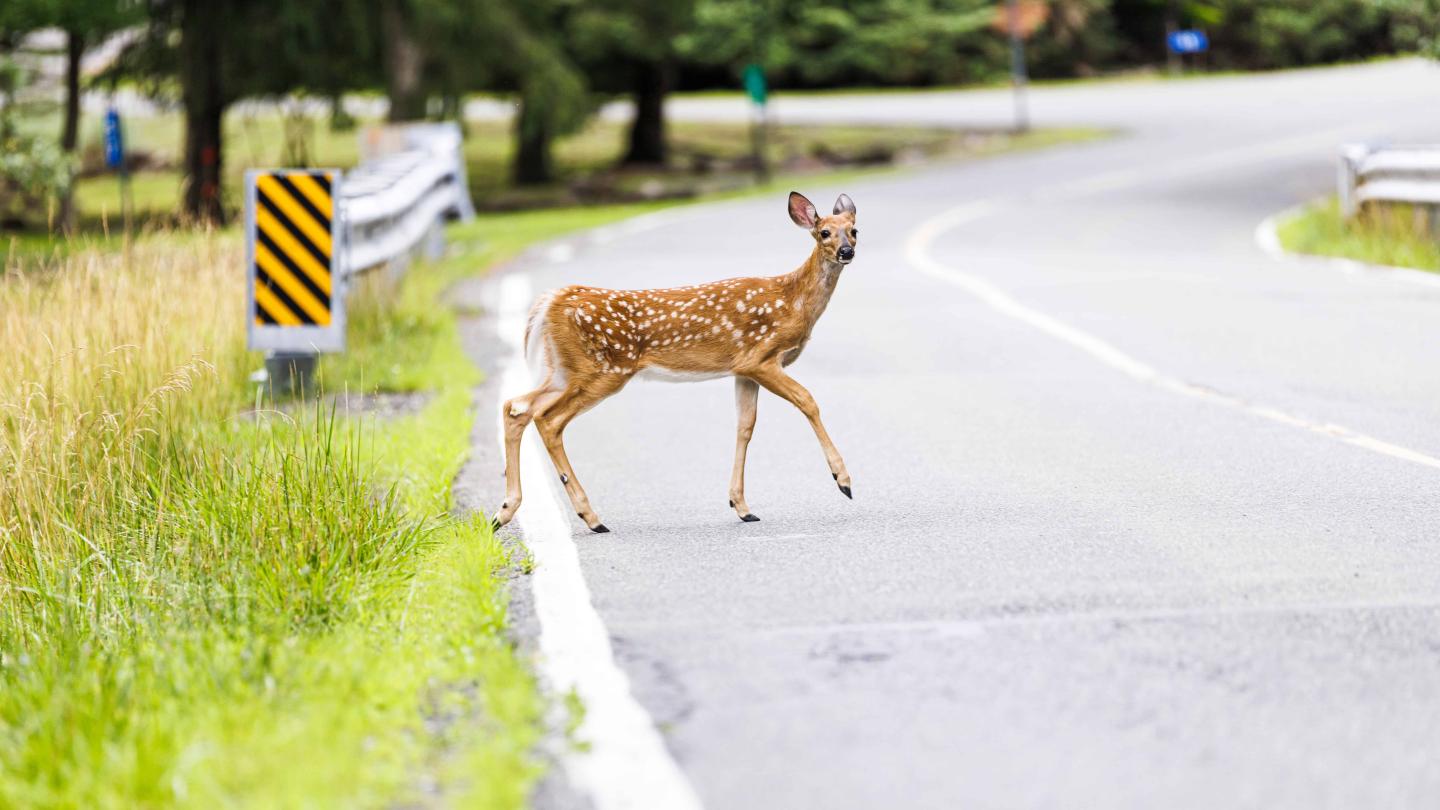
846 490
599 529
494 525
749 518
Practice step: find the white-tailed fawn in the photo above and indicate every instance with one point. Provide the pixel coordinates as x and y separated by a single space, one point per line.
586 343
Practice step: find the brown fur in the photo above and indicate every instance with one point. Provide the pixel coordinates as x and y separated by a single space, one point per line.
592 341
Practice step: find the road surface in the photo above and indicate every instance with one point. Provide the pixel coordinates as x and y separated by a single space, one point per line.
1143 516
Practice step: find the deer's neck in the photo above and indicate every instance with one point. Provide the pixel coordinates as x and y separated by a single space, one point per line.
814 283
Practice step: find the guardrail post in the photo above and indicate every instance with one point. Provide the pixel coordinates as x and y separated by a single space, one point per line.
1351 156
291 372
435 242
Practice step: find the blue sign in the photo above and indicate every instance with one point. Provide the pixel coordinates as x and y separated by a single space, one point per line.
1188 41
114 140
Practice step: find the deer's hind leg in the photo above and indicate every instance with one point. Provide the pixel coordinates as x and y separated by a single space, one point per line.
516 415
747 392
578 397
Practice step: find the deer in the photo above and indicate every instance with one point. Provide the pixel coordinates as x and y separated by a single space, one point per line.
585 343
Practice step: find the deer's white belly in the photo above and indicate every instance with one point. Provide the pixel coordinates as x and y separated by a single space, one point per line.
662 374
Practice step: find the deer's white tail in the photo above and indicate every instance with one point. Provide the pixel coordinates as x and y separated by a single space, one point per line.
539 348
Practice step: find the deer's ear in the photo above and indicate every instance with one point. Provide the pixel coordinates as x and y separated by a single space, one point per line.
802 211
844 205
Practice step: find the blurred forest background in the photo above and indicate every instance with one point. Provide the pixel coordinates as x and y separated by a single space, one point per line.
554 63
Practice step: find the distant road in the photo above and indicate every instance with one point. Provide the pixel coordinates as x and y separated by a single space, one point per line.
1143 517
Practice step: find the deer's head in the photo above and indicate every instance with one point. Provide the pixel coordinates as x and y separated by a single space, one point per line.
835 234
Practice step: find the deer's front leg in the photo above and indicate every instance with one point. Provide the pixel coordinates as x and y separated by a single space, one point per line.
747 391
776 381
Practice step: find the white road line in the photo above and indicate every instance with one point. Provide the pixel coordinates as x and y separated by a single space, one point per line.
627 766
917 252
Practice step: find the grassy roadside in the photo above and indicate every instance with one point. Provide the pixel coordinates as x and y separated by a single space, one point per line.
202 607
1396 236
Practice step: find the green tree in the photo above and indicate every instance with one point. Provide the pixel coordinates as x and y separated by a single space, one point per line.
447 48
220 51
630 46
864 42
554 97
86 23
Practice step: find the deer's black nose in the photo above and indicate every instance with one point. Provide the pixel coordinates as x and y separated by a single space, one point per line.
847 252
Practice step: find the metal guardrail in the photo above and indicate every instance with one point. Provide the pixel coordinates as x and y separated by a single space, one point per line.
390 204
1395 174
309 233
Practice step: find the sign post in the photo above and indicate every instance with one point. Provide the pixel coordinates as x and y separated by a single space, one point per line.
755 87
295 304
115 159
1018 19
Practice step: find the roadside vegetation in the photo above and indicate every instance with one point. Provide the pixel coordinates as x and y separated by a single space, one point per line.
203 602
1392 235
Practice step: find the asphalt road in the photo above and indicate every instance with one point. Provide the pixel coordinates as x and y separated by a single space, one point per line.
1061 583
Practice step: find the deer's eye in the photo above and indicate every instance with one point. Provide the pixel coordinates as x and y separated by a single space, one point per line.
824 234
854 231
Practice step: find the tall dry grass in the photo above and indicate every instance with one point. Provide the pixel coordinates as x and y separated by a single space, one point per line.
106 354
158 551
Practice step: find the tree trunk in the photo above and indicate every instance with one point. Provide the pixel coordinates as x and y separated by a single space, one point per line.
532 146
75 48
70 133
647 131
201 40
403 62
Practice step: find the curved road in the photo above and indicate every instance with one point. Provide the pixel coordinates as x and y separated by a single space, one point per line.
1143 516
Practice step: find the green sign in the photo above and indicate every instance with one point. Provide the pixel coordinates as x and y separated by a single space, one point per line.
755 83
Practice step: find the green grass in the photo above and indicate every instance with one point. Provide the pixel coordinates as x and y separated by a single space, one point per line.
1398 236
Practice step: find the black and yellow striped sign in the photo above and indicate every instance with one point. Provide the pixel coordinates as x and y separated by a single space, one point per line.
292 249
